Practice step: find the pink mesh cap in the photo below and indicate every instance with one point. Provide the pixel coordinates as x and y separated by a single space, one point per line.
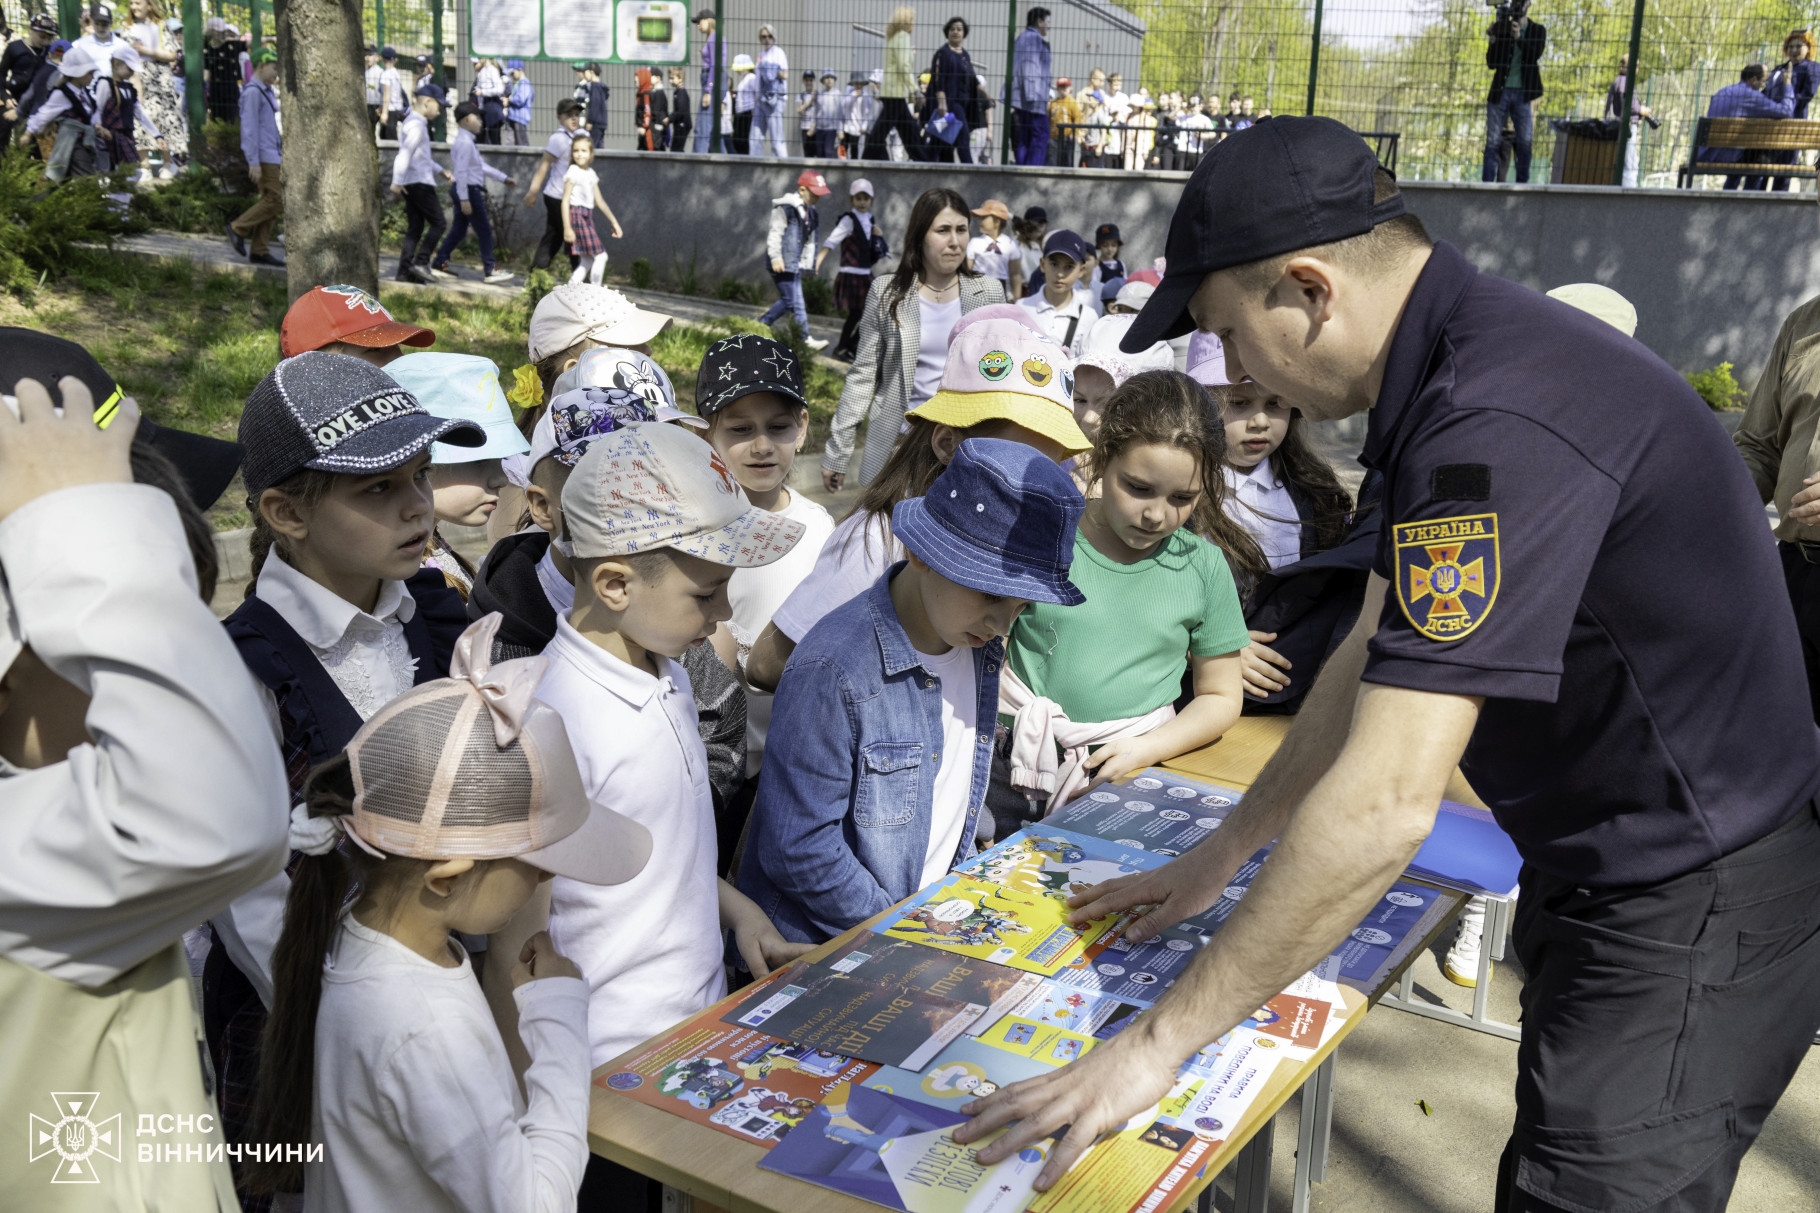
473 767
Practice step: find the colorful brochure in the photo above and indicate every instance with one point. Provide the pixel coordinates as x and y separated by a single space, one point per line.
874 1020
972 918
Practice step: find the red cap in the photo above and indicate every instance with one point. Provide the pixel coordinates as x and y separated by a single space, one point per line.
814 182
326 314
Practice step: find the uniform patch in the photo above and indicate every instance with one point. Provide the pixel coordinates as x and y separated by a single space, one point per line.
1447 573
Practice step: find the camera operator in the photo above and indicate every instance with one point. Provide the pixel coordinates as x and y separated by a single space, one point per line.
1514 55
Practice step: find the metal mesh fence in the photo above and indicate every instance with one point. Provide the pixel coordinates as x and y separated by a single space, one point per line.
1412 71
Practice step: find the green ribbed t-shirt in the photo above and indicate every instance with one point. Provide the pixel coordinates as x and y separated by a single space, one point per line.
1121 653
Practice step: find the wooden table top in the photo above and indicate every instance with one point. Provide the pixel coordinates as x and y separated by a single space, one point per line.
723 1170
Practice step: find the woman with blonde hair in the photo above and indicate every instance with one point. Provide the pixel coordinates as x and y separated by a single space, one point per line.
159 48
898 91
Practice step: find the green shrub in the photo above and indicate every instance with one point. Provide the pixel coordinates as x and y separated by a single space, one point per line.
642 275
538 283
685 275
40 223
190 202
732 290
1717 387
818 295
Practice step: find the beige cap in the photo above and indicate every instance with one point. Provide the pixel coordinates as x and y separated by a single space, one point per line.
474 766
575 312
1600 301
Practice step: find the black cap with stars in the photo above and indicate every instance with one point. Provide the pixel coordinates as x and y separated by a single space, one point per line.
743 364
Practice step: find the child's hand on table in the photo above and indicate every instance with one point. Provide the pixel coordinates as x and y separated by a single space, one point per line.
1119 758
760 945
539 959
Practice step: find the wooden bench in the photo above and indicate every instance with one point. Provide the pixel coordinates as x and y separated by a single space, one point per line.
1750 135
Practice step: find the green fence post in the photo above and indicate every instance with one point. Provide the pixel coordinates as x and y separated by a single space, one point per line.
195 94
258 26
1314 58
720 92
441 131
69 19
1630 91
379 22
1010 66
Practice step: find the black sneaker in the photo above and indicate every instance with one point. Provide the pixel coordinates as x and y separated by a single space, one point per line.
264 259
236 240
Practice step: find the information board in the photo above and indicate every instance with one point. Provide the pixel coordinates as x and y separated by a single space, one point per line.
613 31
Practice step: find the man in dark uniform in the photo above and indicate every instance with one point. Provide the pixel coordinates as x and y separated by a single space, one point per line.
1575 599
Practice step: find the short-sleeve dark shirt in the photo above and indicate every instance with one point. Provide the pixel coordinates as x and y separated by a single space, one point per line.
1569 534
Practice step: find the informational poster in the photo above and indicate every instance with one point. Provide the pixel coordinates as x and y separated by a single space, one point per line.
855 1067
583 31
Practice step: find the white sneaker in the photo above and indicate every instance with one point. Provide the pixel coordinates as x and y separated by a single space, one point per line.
815 343
436 273
499 276
1462 964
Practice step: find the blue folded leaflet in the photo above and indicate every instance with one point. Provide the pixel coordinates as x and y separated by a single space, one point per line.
1467 851
945 127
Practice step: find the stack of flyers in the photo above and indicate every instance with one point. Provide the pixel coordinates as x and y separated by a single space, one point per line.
901 1154
972 918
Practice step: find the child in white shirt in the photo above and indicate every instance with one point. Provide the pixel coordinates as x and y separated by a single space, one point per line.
381 1047
580 198
750 388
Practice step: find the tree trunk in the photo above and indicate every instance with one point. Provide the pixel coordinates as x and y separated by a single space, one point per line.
331 171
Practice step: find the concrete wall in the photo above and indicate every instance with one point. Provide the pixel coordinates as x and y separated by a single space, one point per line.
1711 274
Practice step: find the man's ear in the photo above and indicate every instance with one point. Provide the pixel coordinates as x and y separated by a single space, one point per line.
440 877
1311 283
281 512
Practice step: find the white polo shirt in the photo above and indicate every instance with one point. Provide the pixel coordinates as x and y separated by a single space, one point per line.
1068 324
649 949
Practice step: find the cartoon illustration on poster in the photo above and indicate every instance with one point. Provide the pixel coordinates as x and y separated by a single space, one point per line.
972 918
1046 862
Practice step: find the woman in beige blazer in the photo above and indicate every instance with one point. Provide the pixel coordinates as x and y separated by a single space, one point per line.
884 384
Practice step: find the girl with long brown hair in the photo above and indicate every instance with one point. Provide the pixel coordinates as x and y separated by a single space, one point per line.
1092 689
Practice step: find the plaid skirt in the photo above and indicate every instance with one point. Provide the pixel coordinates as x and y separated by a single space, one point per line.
587 240
850 291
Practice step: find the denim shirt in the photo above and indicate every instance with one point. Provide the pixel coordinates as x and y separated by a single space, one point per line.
841 825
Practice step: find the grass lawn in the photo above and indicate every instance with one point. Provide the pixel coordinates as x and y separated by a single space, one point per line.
190 344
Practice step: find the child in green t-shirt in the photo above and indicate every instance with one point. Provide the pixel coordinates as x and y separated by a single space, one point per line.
1104 676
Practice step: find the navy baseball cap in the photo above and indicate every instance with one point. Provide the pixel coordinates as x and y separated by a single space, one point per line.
335 413
1000 519
1064 241
1105 232
1274 188
745 364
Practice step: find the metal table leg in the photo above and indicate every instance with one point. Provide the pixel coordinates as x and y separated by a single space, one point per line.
1251 1181
1313 1133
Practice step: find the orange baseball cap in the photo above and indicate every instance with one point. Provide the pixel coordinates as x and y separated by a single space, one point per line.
326 314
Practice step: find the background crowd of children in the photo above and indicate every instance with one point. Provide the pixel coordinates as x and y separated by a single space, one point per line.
676 727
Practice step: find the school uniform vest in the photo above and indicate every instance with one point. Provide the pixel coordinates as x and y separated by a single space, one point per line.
125 1050
857 251
117 114
82 106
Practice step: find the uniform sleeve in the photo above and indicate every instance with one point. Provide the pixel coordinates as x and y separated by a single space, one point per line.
451 1111
1222 624
178 805
1759 434
1493 525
